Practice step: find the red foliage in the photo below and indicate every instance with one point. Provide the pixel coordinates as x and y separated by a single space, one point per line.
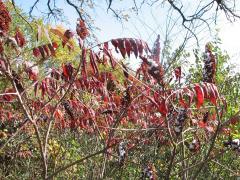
45 50
20 38
82 30
98 101
5 19
199 95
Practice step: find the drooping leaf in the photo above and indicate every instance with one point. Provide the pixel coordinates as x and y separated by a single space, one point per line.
139 46
52 49
134 47
84 62
68 34
214 95
199 95
163 107
93 62
63 36
128 47
32 70
115 44
46 50
20 38
42 52
121 47
178 73
67 70
43 88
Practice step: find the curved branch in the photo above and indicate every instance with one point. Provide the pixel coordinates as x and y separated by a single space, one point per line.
76 8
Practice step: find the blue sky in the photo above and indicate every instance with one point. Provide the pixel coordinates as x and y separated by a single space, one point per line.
148 23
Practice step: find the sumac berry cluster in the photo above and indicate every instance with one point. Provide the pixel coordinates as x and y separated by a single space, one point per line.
209 69
179 122
5 19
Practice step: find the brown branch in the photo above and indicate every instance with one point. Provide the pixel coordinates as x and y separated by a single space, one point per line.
206 158
14 6
56 106
170 166
76 8
32 7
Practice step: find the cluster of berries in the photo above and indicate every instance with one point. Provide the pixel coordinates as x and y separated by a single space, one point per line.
5 19
209 69
179 122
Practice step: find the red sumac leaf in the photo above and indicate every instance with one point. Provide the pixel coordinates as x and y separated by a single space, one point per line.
134 47
52 50
213 93
20 38
68 34
93 62
178 73
121 47
190 94
35 88
139 46
58 115
43 88
199 95
105 46
182 101
84 62
55 45
46 50
9 97
36 52
67 70
163 107
115 44
42 52
145 47
128 47
32 70
111 58
205 90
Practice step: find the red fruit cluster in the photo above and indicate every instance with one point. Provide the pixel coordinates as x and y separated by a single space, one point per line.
179 122
82 30
5 19
209 69
19 38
